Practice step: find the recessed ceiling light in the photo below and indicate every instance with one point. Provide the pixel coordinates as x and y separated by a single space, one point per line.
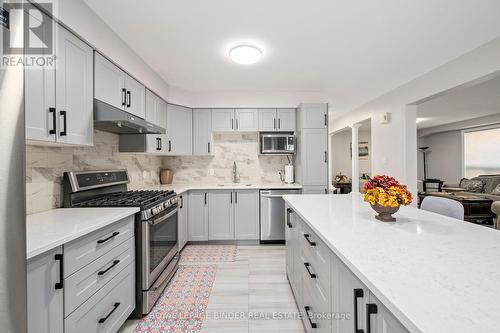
245 54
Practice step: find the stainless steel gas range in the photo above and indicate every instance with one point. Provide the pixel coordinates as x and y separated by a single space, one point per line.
155 226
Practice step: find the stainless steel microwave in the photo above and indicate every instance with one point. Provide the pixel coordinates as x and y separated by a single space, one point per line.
277 143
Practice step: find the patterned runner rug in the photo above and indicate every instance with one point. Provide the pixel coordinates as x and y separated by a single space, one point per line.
208 254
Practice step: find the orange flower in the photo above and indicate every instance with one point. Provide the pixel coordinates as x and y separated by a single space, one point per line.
390 196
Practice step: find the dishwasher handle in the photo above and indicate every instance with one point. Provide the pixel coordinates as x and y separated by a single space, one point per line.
272 195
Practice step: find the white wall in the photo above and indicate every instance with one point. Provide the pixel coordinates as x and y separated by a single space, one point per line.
394 146
341 153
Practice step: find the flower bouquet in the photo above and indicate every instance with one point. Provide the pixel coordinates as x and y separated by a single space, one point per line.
386 194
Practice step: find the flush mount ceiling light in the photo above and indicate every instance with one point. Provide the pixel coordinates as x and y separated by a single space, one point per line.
245 54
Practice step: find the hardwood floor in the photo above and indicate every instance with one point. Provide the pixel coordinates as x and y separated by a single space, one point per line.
250 294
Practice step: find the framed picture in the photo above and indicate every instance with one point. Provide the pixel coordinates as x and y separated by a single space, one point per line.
363 150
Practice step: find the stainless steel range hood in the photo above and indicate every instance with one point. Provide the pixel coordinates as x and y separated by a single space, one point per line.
111 119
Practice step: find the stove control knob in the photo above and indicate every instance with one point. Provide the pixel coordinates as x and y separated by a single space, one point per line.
154 211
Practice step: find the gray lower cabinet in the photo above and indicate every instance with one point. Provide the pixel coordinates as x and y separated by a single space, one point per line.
246 214
381 319
45 295
220 212
182 230
198 216
202 132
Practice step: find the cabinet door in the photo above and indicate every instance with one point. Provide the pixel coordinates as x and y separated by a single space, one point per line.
314 157
246 214
109 83
286 120
349 296
220 211
202 132
74 89
246 120
222 120
156 109
298 263
45 302
267 120
135 98
182 230
382 320
198 216
314 115
156 144
40 99
179 130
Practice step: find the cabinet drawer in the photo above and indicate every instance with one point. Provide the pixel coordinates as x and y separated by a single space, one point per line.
84 250
85 282
316 303
107 309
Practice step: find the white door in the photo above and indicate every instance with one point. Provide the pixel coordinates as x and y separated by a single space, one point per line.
198 216
182 230
314 159
286 120
45 298
220 212
267 120
109 82
246 214
135 97
246 120
179 130
202 132
222 120
74 89
40 100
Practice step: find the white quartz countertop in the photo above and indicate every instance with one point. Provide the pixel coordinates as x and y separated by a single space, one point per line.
50 229
436 274
181 188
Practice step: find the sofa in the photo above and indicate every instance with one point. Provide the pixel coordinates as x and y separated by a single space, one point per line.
487 185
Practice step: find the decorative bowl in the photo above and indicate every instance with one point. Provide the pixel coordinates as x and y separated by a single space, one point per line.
385 213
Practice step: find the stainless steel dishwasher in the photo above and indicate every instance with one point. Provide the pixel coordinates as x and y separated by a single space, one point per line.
272 215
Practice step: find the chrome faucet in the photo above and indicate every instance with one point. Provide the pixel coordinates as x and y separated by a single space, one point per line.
236 176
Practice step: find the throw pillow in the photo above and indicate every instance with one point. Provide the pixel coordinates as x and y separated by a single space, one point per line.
496 190
472 185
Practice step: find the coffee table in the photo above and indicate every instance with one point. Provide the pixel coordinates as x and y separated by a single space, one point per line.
477 209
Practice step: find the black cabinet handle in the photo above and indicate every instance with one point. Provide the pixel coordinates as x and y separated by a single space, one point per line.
65 123
312 243
236 197
205 198
124 96
182 202
236 123
325 120
274 123
357 293
157 143
60 284
53 130
231 200
370 309
209 147
326 158
288 222
115 306
308 309
279 123
161 144
113 235
169 146
129 98
312 275
232 123
116 262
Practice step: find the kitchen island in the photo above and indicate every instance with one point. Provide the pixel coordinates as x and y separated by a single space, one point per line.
424 273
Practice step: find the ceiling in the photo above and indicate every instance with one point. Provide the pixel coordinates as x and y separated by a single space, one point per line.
461 104
352 51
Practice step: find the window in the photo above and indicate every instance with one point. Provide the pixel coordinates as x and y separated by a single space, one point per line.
481 152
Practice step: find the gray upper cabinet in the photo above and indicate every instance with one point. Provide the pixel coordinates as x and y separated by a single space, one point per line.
314 157
220 210
246 120
202 132
313 115
45 296
156 109
286 120
59 101
198 216
246 214
115 87
179 130
222 120
143 143
267 120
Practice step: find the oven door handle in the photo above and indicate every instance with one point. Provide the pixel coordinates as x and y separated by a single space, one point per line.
163 218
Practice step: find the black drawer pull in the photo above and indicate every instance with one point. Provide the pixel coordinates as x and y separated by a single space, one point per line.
370 309
64 132
115 306
358 293
60 284
54 125
308 309
306 236
312 275
129 98
113 235
124 96
288 218
116 262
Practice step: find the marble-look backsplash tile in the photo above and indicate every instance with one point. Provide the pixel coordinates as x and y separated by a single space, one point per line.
46 165
241 148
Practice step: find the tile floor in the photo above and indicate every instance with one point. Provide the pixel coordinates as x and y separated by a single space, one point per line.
248 293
